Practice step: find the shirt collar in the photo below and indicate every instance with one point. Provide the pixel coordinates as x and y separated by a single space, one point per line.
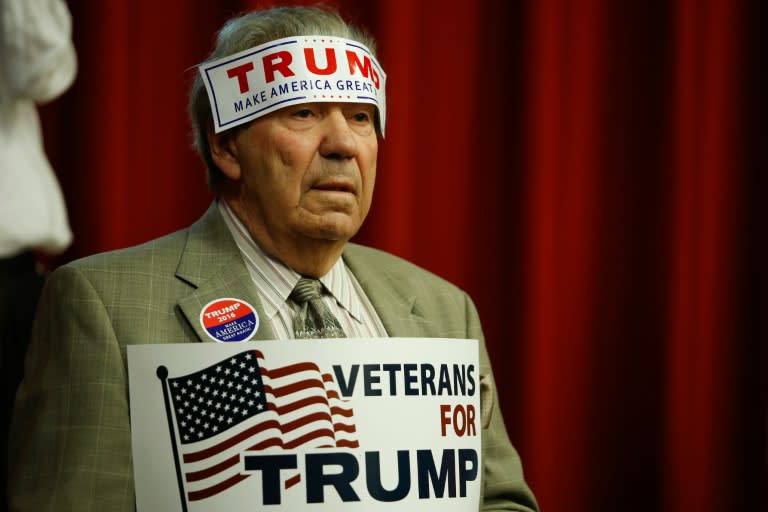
275 280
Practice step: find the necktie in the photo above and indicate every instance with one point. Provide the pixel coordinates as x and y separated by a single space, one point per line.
314 319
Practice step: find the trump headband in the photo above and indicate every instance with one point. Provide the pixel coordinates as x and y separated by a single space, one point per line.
289 71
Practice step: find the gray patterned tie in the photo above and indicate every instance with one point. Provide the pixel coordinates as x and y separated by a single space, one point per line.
314 319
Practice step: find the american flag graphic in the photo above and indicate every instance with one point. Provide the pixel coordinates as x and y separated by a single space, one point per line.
239 405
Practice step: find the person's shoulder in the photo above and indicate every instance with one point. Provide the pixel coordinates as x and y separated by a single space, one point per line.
394 268
162 251
131 273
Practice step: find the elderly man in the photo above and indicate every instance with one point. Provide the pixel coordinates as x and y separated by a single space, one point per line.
294 180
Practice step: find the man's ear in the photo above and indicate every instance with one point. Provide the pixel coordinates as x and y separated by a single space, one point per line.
224 153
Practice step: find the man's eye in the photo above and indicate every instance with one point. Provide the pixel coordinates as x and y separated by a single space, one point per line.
362 117
304 113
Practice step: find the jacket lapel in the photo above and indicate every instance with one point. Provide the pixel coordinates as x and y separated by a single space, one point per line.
212 264
393 300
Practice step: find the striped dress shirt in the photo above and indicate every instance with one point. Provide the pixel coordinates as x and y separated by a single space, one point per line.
274 282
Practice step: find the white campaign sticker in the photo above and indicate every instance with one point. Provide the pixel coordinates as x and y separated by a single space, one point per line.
293 70
320 425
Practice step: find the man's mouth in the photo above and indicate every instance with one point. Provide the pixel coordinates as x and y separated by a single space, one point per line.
335 186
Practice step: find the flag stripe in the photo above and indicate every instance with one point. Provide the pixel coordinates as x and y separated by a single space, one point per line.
298 404
292 481
306 420
344 428
308 437
290 370
195 476
232 441
216 489
272 442
293 388
338 411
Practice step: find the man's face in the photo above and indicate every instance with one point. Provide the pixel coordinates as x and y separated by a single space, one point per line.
306 171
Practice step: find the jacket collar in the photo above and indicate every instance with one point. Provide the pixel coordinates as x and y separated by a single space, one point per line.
394 298
211 263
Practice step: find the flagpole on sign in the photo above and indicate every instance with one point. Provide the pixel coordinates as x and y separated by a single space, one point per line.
162 374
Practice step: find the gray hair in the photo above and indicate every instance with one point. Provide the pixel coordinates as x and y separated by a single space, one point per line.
250 30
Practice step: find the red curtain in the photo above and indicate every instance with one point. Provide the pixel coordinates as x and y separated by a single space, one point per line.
589 171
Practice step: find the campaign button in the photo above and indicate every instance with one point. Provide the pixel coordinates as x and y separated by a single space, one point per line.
228 320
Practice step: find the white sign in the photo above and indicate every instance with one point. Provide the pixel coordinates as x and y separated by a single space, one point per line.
284 72
316 425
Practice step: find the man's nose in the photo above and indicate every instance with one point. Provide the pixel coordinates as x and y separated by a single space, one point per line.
338 140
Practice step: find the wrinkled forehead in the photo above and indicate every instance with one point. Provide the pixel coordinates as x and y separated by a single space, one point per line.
289 71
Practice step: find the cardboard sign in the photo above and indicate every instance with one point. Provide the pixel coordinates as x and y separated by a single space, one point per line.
284 72
373 424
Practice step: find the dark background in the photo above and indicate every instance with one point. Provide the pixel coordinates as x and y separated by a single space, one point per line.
591 172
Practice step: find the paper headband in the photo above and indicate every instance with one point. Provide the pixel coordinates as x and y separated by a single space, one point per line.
293 70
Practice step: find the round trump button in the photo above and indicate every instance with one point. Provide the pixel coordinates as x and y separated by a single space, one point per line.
227 320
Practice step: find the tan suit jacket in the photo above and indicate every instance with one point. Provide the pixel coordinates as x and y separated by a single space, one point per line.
70 444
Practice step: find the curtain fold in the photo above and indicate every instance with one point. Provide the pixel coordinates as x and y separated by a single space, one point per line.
589 171
701 366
